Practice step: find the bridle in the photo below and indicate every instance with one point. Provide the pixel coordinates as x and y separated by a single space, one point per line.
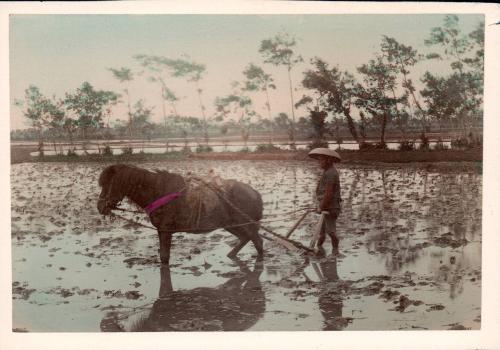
108 201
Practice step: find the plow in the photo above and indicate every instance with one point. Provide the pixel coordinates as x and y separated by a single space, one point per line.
265 232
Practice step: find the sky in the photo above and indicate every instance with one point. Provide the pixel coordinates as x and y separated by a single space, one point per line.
57 53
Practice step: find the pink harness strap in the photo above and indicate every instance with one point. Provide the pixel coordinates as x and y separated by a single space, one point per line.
151 207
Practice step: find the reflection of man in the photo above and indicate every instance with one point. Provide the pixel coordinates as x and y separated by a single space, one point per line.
330 299
328 193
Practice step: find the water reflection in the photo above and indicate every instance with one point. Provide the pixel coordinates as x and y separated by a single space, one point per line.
235 305
330 295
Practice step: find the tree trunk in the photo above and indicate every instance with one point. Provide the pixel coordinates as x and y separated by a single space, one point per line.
164 116
129 119
40 142
292 132
383 126
205 126
351 125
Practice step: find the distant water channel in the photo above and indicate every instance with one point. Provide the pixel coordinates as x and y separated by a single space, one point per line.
216 147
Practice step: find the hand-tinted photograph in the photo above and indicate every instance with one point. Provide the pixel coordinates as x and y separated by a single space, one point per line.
245 172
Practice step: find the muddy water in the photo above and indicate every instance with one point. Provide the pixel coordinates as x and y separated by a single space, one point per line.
410 256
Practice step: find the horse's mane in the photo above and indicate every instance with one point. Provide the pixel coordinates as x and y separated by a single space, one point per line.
129 177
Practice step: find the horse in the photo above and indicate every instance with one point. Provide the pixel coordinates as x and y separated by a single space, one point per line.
174 204
236 305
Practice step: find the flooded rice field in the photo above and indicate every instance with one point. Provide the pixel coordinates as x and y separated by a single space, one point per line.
410 255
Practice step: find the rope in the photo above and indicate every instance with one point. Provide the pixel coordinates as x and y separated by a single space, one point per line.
271 215
222 196
197 229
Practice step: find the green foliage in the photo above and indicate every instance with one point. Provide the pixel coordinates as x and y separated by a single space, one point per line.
244 150
334 88
283 122
406 146
141 116
468 142
458 96
266 147
317 144
376 95
123 74
257 79
370 146
184 68
127 151
107 151
424 142
203 149
71 153
89 105
35 107
279 50
318 122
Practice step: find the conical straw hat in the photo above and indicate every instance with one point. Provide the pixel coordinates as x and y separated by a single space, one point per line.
324 152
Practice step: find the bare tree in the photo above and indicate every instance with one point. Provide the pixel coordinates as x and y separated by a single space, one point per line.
279 52
124 75
193 72
258 80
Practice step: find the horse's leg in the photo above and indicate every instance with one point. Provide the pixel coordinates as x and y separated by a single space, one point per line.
253 235
165 243
237 231
165 281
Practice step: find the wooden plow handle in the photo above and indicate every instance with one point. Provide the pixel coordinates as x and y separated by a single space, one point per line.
317 232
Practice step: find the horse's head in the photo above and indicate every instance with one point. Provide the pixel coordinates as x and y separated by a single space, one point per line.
111 193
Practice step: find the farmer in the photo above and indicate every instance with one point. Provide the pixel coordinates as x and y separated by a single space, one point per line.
328 193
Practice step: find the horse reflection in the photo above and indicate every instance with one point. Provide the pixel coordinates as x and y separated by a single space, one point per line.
235 305
330 298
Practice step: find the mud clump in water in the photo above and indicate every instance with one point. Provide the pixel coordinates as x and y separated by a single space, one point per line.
21 292
446 240
140 261
436 307
404 302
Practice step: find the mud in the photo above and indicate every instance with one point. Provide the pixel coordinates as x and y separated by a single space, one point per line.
410 255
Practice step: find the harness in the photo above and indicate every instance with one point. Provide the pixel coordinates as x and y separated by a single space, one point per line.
160 202
154 205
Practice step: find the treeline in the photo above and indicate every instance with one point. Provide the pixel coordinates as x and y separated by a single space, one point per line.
378 97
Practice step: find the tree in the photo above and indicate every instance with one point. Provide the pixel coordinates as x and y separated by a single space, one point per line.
124 75
89 106
193 72
258 80
36 111
56 119
376 96
158 67
401 58
283 122
279 52
239 105
140 122
466 56
70 125
335 91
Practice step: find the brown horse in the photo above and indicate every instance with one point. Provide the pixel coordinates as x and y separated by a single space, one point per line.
229 204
